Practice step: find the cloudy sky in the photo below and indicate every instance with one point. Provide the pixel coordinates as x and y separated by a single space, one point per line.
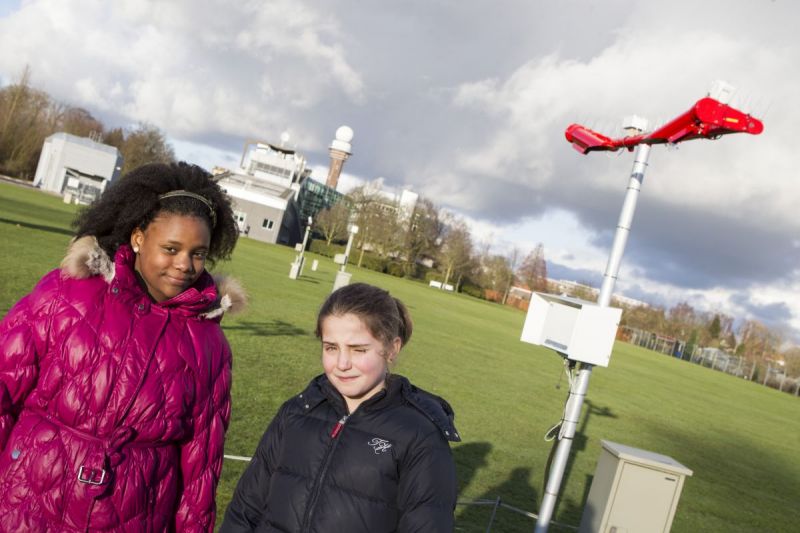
466 102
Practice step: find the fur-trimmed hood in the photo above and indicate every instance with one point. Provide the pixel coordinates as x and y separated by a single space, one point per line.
85 258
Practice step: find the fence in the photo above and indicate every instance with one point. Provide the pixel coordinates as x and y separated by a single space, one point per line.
498 504
712 358
716 359
652 341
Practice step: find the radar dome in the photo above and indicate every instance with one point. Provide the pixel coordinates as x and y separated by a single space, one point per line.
344 134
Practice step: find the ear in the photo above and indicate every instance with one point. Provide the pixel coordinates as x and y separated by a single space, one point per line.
137 238
395 349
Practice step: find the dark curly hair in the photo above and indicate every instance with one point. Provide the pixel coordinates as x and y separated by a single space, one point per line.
133 202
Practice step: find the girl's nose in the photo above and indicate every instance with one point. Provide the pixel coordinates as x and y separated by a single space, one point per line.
343 362
183 262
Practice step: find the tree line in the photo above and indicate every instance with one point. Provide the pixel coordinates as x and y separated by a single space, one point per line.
426 243
29 115
429 243
749 338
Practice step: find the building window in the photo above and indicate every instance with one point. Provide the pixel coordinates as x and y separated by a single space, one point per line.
267 224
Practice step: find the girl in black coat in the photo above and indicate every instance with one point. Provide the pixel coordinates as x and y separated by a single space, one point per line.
359 450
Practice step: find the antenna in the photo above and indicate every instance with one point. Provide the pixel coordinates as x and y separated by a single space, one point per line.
583 331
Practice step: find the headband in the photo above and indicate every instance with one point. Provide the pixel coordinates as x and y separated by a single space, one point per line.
189 194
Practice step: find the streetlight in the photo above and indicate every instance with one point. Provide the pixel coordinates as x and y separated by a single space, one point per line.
353 231
343 277
296 269
305 240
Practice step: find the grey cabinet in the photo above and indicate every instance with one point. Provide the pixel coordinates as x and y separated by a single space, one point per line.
633 491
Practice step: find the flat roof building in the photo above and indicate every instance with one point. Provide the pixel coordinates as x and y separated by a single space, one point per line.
78 168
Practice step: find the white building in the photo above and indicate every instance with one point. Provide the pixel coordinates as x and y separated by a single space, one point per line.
571 287
403 203
264 188
77 167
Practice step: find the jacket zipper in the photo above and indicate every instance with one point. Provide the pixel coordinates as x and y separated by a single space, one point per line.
337 429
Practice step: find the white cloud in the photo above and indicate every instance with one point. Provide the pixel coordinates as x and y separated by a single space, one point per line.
442 104
187 67
637 74
205 156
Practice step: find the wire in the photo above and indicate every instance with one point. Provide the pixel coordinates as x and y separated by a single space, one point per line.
550 434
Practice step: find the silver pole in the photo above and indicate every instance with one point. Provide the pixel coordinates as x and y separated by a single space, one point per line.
347 251
302 257
577 393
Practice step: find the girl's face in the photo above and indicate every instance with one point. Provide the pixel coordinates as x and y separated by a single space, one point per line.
171 253
354 361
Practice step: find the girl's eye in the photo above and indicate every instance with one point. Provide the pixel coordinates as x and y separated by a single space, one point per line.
360 350
200 255
170 249
330 348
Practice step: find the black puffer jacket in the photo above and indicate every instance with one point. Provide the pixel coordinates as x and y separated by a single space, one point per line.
387 467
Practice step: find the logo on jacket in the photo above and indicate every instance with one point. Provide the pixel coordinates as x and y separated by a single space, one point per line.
379 445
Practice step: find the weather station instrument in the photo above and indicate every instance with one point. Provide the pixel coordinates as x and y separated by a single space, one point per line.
581 331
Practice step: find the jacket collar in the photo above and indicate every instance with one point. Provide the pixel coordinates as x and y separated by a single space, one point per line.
398 390
208 297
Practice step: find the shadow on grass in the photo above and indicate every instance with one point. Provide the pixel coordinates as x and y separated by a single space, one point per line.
51 229
477 516
469 458
569 511
269 328
515 491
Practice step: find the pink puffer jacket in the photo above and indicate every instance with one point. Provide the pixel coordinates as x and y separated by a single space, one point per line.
113 409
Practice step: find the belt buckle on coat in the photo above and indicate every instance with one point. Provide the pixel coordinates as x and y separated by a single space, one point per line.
91 476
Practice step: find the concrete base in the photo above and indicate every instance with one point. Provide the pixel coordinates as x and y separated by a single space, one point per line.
342 280
294 271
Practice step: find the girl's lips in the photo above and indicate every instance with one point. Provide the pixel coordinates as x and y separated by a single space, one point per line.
346 378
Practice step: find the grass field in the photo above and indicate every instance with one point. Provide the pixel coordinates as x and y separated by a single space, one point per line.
741 440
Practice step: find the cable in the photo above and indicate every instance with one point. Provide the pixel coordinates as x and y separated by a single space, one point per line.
569 367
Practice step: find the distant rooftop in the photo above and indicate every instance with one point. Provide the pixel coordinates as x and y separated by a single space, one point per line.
85 141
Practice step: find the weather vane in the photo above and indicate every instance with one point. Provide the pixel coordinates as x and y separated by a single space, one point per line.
583 332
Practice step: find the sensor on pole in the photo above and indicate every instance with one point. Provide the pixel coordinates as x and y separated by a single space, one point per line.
564 324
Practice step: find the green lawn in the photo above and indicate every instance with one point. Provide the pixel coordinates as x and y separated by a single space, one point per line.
740 439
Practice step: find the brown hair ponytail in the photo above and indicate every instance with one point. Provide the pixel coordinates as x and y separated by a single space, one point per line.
385 316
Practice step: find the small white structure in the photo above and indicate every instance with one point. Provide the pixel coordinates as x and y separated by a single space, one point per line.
77 167
580 330
633 490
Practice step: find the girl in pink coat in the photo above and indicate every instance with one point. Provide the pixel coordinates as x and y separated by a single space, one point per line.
114 372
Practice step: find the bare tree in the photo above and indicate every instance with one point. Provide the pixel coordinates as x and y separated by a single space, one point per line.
512 259
757 341
792 361
455 254
377 219
332 222
681 321
423 234
26 119
533 270
495 272
145 144
11 99
115 138
80 122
